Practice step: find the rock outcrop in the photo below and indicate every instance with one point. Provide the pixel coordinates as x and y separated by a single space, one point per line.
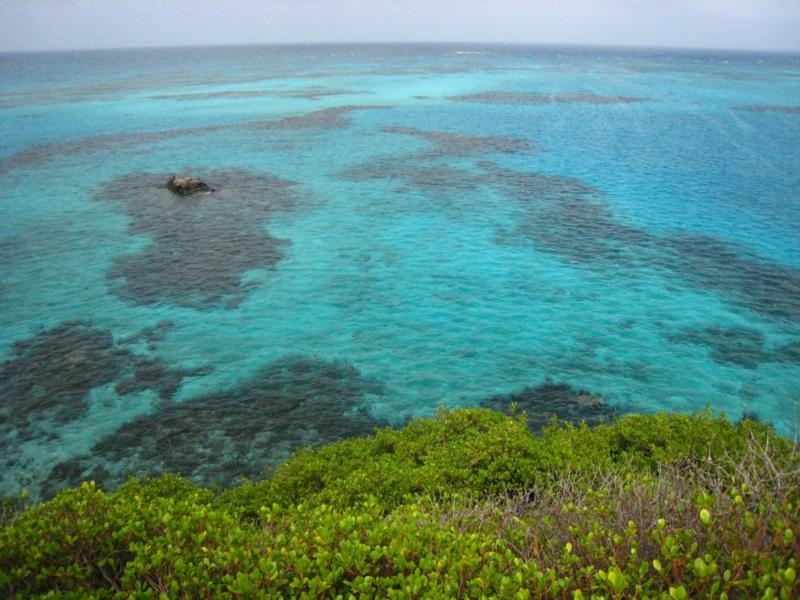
186 186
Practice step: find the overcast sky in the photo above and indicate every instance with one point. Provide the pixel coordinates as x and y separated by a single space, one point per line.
57 24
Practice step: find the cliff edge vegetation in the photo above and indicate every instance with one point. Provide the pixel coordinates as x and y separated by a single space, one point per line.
467 504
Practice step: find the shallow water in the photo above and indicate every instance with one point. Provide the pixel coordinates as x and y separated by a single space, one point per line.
395 228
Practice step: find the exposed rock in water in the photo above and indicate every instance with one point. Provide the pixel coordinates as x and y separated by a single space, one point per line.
186 186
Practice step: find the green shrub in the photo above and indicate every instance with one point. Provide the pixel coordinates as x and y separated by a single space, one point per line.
467 504
482 452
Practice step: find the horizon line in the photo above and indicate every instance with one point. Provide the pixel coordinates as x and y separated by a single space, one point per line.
411 43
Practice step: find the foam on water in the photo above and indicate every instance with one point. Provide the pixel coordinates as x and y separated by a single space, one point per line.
583 232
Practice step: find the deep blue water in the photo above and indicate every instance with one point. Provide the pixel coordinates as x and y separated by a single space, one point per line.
585 232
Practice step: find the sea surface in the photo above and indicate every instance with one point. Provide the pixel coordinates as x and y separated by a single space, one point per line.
581 232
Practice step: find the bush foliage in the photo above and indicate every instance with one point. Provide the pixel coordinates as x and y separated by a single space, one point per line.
466 504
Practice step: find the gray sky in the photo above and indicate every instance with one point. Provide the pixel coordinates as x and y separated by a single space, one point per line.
57 24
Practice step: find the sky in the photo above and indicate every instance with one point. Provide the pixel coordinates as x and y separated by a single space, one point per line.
72 24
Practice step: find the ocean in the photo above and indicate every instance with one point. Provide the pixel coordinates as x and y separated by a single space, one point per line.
395 230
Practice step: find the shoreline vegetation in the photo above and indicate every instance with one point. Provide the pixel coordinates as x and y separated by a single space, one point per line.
469 503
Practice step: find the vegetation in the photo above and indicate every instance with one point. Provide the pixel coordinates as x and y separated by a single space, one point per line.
467 504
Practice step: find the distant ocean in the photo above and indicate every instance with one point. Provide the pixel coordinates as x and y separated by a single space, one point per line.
395 228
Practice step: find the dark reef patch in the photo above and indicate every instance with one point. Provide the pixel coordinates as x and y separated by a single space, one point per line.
788 353
430 178
326 118
442 179
745 278
215 439
311 93
70 470
105 89
50 376
740 346
558 214
548 400
39 154
203 244
316 92
562 215
499 97
150 374
794 110
526 185
422 171
150 335
583 231
225 94
459 144
567 217
531 190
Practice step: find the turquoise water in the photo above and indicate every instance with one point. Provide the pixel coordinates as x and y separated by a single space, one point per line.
394 228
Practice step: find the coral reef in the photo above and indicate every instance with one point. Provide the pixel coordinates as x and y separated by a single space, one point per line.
38 154
498 97
289 403
567 216
201 245
459 144
50 376
740 346
560 400
770 108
